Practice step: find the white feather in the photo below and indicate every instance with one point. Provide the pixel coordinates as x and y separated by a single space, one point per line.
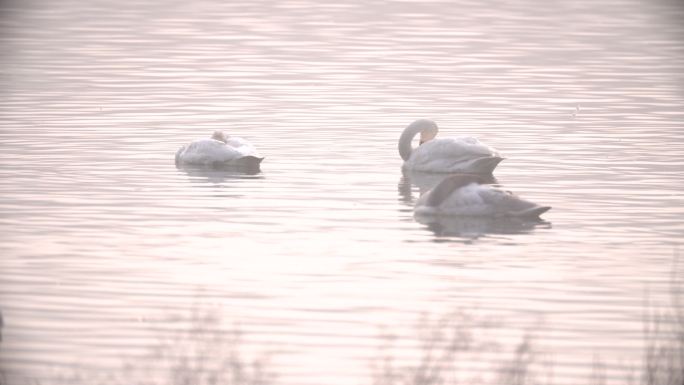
212 152
448 155
475 200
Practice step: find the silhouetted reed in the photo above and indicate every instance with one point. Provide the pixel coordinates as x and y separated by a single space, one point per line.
194 350
450 345
447 349
203 354
460 348
664 337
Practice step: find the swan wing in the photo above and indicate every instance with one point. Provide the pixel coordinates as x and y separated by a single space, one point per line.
505 203
207 151
465 154
463 147
244 147
452 197
449 186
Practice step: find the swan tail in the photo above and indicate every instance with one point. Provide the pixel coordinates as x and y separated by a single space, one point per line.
249 164
250 161
532 212
486 165
252 164
178 155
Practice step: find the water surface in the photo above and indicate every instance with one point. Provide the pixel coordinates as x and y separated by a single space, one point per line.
106 244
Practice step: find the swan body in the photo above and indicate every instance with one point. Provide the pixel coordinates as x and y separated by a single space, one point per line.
465 195
446 155
219 151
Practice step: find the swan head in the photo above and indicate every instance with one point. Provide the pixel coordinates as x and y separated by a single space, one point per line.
220 136
428 135
427 128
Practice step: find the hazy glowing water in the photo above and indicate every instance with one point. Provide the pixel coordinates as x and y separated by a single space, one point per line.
102 237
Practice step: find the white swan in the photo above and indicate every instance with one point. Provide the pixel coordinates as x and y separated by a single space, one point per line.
447 155
219 151
465 195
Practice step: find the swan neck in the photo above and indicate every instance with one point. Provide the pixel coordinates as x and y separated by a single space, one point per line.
409 133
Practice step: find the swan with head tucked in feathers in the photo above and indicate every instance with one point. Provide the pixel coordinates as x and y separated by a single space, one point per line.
219 151
445 155
466 195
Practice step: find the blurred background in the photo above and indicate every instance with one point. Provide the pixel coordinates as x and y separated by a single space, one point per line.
117 267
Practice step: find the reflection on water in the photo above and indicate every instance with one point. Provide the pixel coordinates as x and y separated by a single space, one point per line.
474 227
425 181
219 175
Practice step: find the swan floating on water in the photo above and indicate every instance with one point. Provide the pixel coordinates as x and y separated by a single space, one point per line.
466 195
220 151
446 155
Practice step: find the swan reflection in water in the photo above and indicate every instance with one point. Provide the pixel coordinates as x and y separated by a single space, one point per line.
474 227
218 175
468 205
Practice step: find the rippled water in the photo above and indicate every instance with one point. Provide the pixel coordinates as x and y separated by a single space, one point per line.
105 242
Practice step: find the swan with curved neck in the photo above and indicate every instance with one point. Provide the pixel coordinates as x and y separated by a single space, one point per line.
446 155
468 195
220 151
